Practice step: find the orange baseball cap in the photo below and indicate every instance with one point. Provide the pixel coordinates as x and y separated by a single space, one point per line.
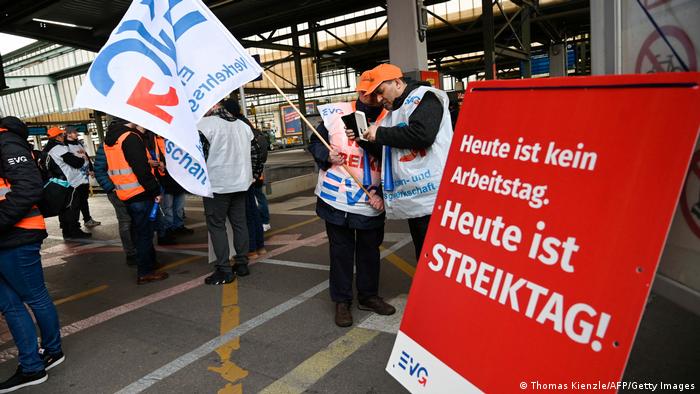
382 73
365 81
54 132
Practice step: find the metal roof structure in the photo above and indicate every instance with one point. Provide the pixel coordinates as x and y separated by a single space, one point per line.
87 24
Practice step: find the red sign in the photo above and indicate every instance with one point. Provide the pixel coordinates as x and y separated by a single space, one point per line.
547 232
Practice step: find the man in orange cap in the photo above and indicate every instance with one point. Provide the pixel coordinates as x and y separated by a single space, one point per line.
416 136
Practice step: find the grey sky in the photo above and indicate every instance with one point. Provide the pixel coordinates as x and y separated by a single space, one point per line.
9 43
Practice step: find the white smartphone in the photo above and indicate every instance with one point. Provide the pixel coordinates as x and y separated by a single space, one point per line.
361 121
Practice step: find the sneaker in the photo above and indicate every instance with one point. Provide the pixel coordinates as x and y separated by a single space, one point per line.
220 278
20 379
261 251
376 305
51 360
266 227
92 223
343 316
152 277
241 269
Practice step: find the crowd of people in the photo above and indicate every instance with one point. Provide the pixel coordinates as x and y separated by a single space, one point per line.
409 134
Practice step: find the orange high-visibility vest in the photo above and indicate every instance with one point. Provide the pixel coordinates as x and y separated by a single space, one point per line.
120 172
160 152
33 220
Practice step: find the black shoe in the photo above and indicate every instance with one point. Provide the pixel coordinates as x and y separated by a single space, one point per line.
343 316
169 239
79 234
220 278
183 231
132 261
51 360
376 305
20 379
241 269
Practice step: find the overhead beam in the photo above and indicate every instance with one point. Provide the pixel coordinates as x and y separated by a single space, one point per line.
28 81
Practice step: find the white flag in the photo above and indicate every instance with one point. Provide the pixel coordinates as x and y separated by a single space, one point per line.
163 67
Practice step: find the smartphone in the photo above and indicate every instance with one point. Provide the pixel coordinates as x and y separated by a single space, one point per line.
357 122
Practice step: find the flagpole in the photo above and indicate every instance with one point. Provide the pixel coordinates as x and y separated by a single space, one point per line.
313 129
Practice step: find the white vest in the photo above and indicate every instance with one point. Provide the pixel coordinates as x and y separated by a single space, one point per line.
79 150
74 176
229 163
411 178
335 186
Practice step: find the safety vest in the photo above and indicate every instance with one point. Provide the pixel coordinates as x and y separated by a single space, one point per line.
33 220
120 172
335 186
410 177
160 152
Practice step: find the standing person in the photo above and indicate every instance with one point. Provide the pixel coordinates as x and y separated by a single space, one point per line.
120 208
263 142
173 203
83 190
22 230
63 164
416 135
355 228
137 187
228 162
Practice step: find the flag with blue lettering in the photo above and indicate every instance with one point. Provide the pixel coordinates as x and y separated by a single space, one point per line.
163 67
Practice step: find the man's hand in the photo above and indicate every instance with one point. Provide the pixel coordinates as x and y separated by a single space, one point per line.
376 201
350 133
158 198
371 133
153 163
334 157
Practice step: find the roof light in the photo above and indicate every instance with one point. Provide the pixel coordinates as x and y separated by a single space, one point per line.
64 24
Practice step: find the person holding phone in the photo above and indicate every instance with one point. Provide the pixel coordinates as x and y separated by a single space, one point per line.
354 220
416 135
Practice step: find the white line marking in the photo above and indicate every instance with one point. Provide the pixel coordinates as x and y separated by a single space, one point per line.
196 354
109 314
319 267
388 324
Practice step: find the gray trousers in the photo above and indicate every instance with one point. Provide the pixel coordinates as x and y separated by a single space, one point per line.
229 206
124 220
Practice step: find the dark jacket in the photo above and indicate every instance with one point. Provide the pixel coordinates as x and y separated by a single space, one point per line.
18 167
77 142
166 181
134 150
423 124
68 158
101 170
324 210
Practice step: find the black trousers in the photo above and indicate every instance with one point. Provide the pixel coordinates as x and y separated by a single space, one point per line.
82 194
354 248
418 228
68 217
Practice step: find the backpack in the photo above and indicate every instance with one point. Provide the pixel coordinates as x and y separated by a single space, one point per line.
263 144
54 197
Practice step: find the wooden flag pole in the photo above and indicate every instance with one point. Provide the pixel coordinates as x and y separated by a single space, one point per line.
313 129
